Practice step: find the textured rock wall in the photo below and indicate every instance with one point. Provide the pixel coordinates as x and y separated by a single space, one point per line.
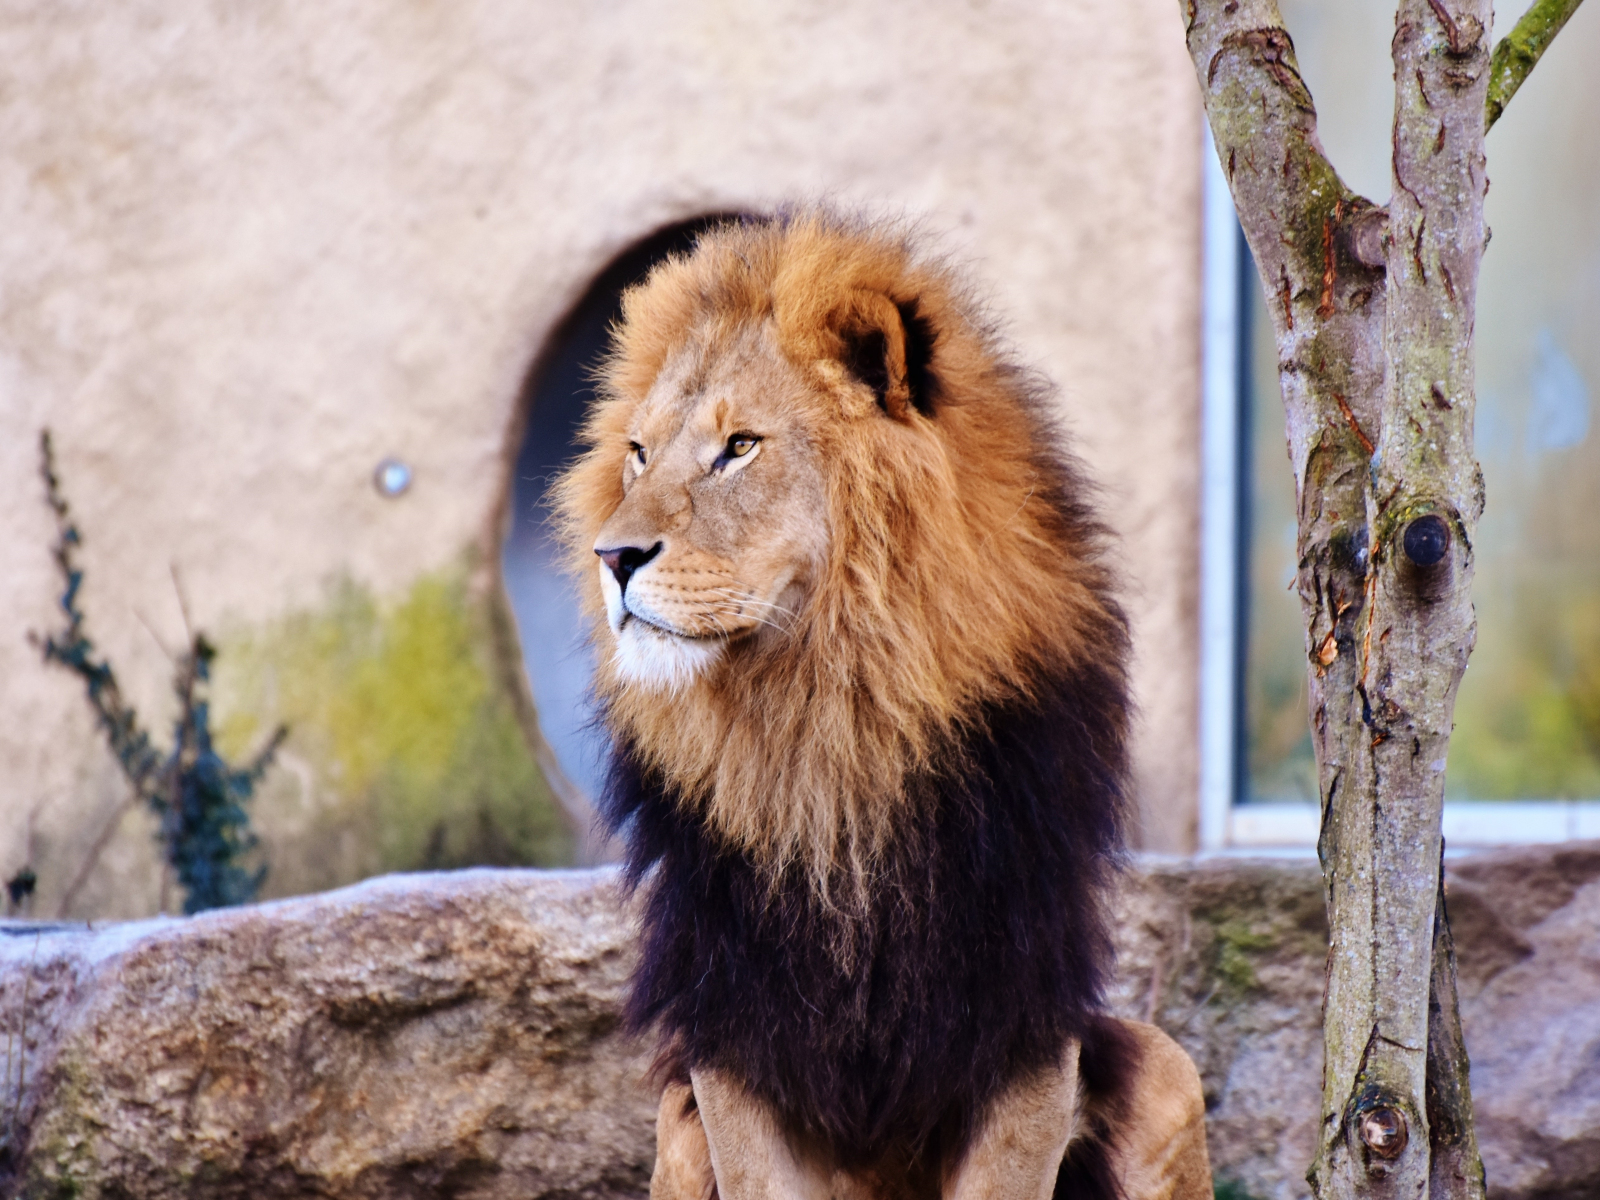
456 1035
1227 956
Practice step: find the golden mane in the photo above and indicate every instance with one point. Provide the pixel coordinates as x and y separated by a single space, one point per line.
962 563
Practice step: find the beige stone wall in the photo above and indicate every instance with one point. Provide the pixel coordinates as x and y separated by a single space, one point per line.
246 251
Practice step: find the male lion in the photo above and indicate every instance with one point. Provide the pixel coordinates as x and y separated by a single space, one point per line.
868 693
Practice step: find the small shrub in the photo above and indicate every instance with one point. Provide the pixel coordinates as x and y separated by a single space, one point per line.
198 797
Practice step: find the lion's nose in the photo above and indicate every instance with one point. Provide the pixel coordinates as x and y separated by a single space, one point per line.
625 560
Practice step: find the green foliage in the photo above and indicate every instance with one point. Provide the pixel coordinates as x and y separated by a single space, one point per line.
1529 708
198 797
1230 1189
407 725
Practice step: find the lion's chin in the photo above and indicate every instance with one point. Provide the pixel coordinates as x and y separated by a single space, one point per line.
657 661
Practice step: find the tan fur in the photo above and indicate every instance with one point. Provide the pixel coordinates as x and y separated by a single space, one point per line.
862 585
1019 1146
683 1169
1159 1152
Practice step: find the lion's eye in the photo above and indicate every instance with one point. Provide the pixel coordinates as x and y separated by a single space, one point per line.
636 451
738 450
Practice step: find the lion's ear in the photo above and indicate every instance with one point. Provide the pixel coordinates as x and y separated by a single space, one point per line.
888 347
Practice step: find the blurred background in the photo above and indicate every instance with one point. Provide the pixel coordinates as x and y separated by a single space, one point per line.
309 299
1528 714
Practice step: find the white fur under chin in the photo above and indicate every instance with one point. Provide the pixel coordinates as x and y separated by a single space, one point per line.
648 657
659 662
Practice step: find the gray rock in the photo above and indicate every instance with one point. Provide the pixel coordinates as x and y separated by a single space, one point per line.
1227 955
1530 968
457 1035
434 1035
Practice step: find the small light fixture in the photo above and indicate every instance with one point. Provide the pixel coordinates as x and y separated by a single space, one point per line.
392 478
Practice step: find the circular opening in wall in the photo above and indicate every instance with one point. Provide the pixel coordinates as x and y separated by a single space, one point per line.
555 650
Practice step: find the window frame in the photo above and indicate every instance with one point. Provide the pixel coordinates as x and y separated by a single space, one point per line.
1227 823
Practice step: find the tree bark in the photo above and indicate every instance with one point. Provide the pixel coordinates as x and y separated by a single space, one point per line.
1373 311
1423 511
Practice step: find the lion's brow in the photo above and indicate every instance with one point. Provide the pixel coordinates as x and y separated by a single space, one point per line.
696 373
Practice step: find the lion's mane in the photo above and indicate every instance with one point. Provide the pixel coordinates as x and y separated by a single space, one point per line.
874 851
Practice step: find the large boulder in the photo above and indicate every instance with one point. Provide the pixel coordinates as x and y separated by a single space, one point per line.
457 1035
424 1035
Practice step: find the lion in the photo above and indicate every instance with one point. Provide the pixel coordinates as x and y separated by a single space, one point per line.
866 683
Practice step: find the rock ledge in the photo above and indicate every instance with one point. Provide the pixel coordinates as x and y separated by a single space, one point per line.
457 1034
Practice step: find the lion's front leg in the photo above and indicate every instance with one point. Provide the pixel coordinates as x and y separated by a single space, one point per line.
1158 1152
1148 1137
683 1159
1015 1153
753 1158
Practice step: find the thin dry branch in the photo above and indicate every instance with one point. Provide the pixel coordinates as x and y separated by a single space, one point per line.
1520 51
96 850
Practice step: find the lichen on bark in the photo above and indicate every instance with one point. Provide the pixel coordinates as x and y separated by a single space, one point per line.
1520 50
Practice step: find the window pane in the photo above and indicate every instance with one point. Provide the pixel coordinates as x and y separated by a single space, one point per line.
1528 718
1278 760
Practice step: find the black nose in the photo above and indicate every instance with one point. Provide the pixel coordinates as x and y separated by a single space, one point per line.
625 560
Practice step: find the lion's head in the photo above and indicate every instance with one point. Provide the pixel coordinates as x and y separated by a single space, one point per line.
821 522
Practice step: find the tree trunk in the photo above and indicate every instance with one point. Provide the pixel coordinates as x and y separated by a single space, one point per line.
1373 315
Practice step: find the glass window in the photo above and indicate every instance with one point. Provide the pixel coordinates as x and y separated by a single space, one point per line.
1528 716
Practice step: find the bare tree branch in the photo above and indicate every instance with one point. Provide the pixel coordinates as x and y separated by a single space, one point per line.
1381 842
1520 51
97 848
1319 249
1456 1169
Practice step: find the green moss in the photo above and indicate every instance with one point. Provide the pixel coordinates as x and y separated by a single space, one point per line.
1232 963
400 712
59 1164
1520 50
1231 1189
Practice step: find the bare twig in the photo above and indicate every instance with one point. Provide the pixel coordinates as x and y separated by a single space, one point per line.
1520 51
155 637
1457 1167
198 796
183 602
97 848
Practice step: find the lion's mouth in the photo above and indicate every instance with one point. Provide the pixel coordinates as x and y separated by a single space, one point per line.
652 655
629 617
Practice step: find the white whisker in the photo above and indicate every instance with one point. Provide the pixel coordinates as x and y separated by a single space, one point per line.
745 598
984 541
